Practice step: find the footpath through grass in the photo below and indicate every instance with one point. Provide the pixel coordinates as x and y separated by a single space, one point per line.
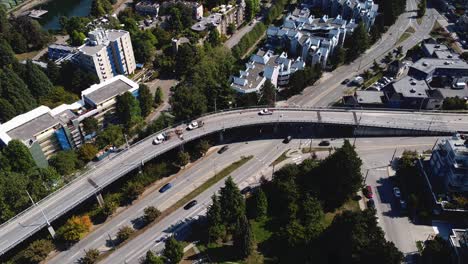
210 182
350 205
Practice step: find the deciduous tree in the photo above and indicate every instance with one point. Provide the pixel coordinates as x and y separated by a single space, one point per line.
173 252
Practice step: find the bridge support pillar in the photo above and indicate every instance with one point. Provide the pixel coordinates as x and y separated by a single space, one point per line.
181 147
221 137
275 128
51 230
100 199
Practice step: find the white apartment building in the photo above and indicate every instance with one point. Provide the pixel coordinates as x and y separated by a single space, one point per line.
265 65
449 163
107 53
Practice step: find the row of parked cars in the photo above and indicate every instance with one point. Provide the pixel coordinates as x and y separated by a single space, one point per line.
367 191
384 81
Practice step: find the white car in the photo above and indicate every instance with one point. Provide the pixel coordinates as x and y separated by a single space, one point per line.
396 192
265 112
159 139
193 125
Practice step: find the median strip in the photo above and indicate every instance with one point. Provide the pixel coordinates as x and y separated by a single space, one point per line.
210 182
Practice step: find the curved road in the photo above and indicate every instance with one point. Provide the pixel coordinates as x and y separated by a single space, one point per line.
60 202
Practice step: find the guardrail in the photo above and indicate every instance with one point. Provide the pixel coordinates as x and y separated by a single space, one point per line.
227 125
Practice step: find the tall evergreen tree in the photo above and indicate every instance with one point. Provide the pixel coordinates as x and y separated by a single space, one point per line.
128 109
15 91
232 202
261 204
214 219
173 252
268 94
243 237
359 42
37 80
146 100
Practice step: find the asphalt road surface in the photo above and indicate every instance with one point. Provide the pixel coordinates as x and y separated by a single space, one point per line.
375 152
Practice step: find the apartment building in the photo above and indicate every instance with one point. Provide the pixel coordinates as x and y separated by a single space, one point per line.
221 18
197 8
449 164
147 8
46 131
360 10
313 39
265 65
107 53
459 243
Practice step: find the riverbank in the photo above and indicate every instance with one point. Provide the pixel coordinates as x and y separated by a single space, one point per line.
26 6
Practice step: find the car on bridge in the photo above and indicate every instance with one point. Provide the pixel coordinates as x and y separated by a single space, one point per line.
265 111
194 125
159 139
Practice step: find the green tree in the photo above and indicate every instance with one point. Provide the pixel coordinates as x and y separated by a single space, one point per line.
74 229
18 156
97 8
53 71
338 57
58 96
128 109
91 256
65 162
146 100
202 147
216 228
173 252
87 152
436 251
183 158
15 91
358 42
150 214
124 233
268 94
7 110
188 102
111 135
37 251
454 103
261 204
243 238
158 96
90 125
214 38
151 258
132 190
77 38
232 202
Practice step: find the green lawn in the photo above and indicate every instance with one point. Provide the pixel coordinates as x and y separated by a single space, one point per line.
280 158
373 79
350 205
403 37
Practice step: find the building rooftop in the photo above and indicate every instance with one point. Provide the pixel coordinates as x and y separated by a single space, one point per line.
108 89
428 65
409 87
99 39
369 97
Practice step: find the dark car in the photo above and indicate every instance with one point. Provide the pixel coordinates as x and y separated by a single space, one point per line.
368 192
346 81
246 190
190 204
223 149
371 203
166 187
324 143
287 140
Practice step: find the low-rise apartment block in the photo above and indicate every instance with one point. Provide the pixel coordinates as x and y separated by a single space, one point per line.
147 8
107 53
223 16
449 164
265 65
459 242
46 131
313 39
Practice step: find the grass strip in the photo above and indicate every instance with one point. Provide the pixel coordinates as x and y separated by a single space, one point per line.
280 158
210 182
315 149
403 37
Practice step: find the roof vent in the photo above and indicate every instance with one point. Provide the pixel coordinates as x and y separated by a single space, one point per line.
437 46
413 83
424 63
412 90
447 63
449 56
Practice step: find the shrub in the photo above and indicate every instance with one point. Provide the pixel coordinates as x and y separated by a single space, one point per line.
151 213
124 233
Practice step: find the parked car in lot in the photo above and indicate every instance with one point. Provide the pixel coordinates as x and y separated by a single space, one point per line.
166 187
371 203
190 204
265 111
159 139
396 192
223 149
368 192
324 143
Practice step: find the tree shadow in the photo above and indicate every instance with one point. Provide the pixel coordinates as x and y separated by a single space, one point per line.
138 223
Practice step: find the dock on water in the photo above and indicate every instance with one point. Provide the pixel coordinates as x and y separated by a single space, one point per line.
37 13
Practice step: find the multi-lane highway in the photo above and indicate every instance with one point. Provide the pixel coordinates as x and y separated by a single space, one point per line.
375 152
330 89
31 221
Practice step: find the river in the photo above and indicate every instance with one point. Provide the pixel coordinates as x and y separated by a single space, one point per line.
59 8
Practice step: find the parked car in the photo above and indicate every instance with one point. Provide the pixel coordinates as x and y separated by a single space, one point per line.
324 143
159 139
371 203
190 204
166 187
402 204
223 149
396 192
368 192
246 190
265 111
287 140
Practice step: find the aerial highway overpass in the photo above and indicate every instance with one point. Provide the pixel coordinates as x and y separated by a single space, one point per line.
89 184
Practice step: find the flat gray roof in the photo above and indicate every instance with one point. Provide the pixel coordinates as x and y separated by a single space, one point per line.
369 97
410 87
90 50
31 128
427 65
108 91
